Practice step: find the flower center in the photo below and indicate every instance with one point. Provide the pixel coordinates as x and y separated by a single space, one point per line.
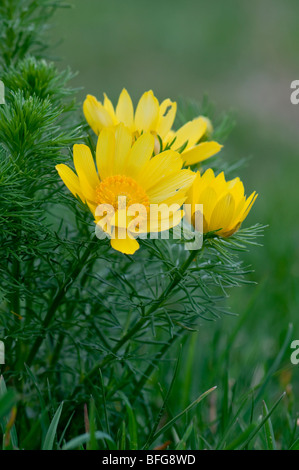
121 188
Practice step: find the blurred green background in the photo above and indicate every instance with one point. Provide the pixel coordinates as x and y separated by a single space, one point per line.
244 55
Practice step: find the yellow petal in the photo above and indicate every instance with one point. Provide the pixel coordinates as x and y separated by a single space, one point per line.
243 209
201 152
147 112
210 129
208 175
125 110
123 142
200 183
109 107
178 198
70 179
223 213
194 190
127 246
208 199
219 184
96 115
159 167
170 185
120 219
165 221
86 170
167 114
236 187
190 132
105 153
140 155
249 203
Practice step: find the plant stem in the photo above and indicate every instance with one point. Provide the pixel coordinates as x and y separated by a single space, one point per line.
142 321
174 282
122 341
59 344
148 372
74 273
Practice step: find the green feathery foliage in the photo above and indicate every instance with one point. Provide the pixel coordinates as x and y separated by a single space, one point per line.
84 324
22 28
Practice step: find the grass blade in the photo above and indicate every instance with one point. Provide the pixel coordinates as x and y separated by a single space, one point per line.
132 424
85 439
50 436
276 363
158 419
295 445
263 421
269 433
235 444
183 442
186 410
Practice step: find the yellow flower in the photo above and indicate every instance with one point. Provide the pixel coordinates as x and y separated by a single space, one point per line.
224 204
150 116
128 179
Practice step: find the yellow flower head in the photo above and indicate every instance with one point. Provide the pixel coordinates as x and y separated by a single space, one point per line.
224 204
128 179
150 116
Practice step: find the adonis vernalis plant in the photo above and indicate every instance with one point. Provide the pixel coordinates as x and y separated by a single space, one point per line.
128 178
98 304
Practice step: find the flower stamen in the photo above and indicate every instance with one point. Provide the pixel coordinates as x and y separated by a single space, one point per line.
121 188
